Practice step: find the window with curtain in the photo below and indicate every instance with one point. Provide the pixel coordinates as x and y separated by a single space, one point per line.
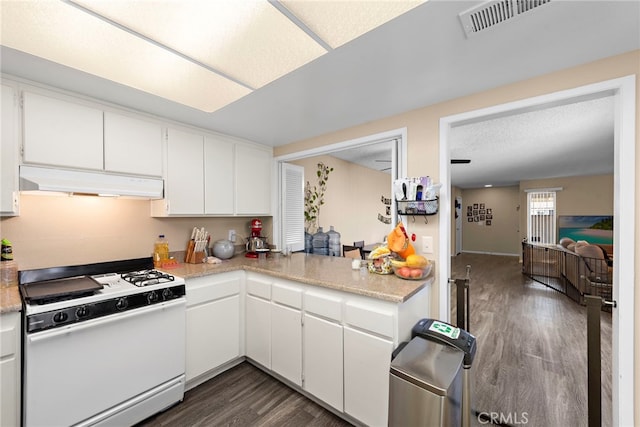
541 217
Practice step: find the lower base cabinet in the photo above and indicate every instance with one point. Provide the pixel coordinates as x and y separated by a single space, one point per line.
213 331
10 369
286 342
258 330
323 355
367 359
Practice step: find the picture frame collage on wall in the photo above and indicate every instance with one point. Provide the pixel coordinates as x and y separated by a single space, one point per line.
479 214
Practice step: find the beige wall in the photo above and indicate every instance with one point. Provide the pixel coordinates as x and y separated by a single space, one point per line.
69 230
352 199
423 139
502 236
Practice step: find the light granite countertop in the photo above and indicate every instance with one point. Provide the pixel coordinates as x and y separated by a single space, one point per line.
10 299
325 271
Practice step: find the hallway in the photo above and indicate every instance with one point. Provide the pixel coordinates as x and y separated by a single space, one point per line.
531 364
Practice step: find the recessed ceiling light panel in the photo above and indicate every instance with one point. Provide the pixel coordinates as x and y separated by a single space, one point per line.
64 34
339 22
250 41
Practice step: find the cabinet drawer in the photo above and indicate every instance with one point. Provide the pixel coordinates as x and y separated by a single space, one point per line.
258 287
205 289
326 306
370 319
286 295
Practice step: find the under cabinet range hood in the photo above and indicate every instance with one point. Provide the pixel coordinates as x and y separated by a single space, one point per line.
35 178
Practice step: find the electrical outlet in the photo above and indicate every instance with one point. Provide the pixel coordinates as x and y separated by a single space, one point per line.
427 244
232 235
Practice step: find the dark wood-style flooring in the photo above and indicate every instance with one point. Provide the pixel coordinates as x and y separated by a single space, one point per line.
530 368
245 396
532 346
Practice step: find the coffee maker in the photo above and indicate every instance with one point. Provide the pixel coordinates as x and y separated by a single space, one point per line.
256 243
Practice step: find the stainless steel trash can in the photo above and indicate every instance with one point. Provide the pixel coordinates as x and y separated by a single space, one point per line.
425 385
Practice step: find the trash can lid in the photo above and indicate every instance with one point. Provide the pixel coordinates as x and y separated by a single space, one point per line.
429 365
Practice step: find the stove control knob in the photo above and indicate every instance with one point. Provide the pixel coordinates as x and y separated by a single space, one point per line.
152 297
167 294
122 303
60 317
82 311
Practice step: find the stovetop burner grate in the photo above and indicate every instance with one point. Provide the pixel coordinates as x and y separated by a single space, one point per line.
147 277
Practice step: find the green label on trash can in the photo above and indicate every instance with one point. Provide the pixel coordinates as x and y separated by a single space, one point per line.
444 329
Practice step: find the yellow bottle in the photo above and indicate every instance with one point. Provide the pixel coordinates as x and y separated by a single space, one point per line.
160 251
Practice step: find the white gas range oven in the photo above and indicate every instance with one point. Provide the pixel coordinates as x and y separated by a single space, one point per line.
104 344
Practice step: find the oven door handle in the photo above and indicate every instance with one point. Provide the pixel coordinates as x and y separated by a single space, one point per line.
40 336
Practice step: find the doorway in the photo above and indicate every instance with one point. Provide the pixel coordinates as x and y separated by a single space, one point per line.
397 167
623 89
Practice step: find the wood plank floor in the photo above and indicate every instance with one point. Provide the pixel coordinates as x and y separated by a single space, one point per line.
531 362
532 351
245 396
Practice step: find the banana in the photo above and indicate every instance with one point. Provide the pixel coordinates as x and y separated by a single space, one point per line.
378 252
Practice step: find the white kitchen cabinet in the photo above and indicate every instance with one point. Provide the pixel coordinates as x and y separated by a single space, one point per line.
253 180
218 176
367 359
258 320
184 186
9 152
286 331
10 379
61 133
323 355
213 333
132 145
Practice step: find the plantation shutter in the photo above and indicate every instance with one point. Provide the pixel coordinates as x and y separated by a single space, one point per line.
541 218
293 206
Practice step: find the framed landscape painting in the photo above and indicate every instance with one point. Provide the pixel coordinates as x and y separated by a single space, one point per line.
595 229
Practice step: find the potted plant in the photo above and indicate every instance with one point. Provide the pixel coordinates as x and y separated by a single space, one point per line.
314 198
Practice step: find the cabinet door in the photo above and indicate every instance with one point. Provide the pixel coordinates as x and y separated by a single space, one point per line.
258 330
132 145
323 352
185 173
10 369
213 335
253 180
367 359
9 152
62 133
286 342
218 176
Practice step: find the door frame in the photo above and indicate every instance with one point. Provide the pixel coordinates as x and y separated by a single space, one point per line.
624 92
399 168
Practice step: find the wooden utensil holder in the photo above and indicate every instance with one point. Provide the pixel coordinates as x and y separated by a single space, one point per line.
196 257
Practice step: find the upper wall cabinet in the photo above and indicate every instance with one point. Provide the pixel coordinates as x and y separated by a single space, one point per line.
253 180
214 175
61 133
72 135
132 145
218 176
184 186
9 152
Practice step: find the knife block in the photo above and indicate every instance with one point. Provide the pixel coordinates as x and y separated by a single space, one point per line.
196 257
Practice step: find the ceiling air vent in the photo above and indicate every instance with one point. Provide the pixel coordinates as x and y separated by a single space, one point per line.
494 12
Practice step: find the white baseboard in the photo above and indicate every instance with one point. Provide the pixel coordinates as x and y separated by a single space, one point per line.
490 253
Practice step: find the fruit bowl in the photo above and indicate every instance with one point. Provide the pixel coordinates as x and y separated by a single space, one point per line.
411 273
